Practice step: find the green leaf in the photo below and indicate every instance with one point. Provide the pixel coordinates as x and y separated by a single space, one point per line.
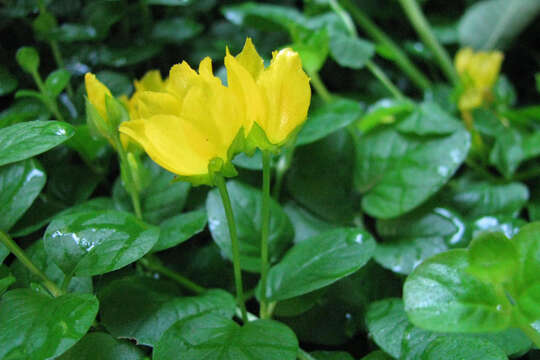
331 355
384 111
47 327
176 30
349 51
508 152
300 304
313 50
329 118
169 2
142 308
246 205
376 153
117 82
305 224
412 238
387 321
23 110
318 262
36 253
21 183
493 257
320 177
428 119
70 33
6 279
160 200
475 199
28 59
180 228
90 243
447 347
87 145
57 81
492 24
102 346
72 184
417 175
527 284
216 337
8 82
130 55
24 140
441 295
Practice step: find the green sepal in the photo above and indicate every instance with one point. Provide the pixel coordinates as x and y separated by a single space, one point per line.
217 166
257 139
97 125
116 112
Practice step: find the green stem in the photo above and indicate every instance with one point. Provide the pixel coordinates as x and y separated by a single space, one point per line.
265 227
128 177
60 62
381 76
220 183
20 254
423 29
319 86
398 56
49 102
372 67
152 264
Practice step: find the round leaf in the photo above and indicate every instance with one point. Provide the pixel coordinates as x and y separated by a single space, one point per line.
493 257
28 59
319 261
90 243
215 337
441 295
36 326
102 346
24 140
57 81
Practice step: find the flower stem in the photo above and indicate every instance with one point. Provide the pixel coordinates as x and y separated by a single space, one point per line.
60 63
320 87
128 178
49 102
265 230
283 164
381 76
220 183
423 29
151 263
20 254
398 56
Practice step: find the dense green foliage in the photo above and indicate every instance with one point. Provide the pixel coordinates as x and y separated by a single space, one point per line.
402 225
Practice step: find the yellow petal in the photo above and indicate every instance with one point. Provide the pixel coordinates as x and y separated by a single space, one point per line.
181 78
173 143
470 99
250 98
150 103
463 59
151 81
288 94
96 92
249 58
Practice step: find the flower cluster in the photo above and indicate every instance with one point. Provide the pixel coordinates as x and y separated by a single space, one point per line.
193 125
478 72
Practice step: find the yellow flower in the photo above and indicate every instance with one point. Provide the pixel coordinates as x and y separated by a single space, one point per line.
191 129
274 99
478 73
151 81
104 112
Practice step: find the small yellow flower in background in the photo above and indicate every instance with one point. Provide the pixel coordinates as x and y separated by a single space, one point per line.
151 81
478 72
192 129
104 112
275 99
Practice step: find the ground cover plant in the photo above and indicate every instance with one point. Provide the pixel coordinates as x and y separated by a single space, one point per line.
315 179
